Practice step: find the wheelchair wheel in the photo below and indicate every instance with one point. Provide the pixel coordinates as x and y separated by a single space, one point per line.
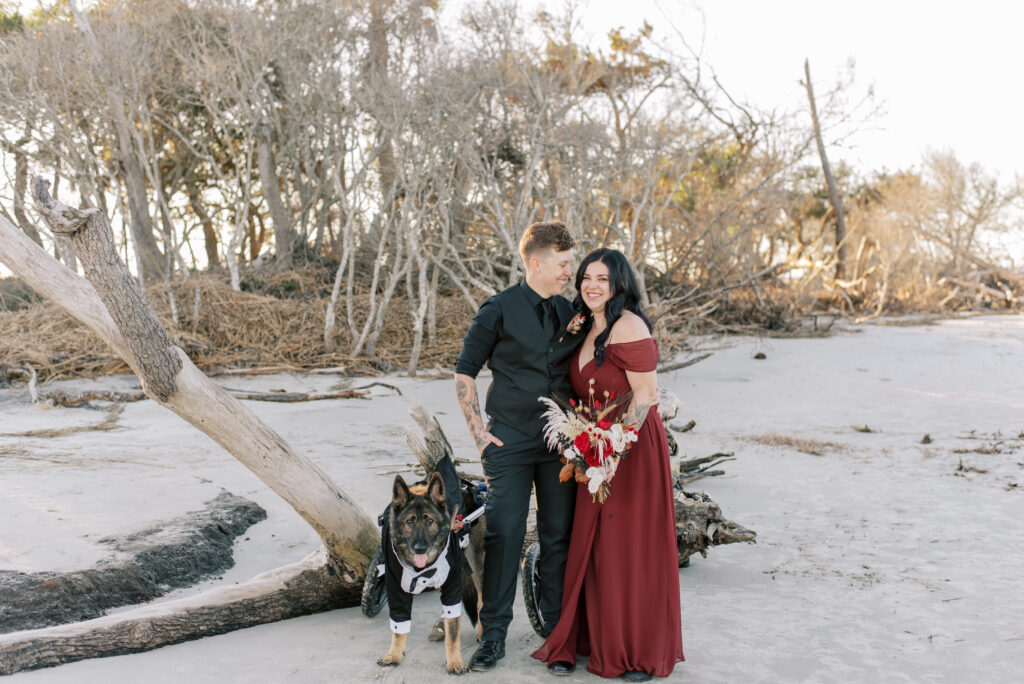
375 591
531 587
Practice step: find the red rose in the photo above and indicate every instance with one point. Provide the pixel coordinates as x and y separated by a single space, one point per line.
604 423
592 457
582 442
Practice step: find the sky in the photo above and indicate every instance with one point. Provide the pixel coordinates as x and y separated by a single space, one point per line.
947 73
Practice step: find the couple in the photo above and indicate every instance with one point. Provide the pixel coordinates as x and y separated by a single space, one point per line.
617 561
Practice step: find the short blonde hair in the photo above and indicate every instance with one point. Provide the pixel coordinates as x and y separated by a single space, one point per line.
544 234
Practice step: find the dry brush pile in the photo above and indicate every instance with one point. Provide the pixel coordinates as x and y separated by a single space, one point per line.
277 320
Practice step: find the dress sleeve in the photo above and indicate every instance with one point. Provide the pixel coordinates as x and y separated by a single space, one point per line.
640 356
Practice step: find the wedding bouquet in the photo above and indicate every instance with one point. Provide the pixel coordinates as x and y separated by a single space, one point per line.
590 444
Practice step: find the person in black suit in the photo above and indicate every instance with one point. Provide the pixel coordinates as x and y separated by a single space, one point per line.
524 336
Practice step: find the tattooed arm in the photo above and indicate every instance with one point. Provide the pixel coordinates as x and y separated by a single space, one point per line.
469 402
645 397
483 335
643 384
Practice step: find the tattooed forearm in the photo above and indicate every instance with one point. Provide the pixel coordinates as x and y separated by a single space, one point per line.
465 390
636 413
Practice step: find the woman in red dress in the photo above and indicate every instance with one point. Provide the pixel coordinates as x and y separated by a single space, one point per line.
620 604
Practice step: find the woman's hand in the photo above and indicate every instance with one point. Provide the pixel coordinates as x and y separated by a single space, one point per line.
645 396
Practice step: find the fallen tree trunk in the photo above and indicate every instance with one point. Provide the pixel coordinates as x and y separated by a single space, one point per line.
108 423
293 397
72 399
700 524
309 586
694 469
146 564
268 370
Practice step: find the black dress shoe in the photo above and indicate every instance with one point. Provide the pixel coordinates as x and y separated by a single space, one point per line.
487 656
562 668
636 676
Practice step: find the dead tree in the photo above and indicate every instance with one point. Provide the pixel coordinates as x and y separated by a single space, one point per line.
151 261
833 191
111 302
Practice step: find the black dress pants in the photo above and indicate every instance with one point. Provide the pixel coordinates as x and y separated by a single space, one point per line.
512 471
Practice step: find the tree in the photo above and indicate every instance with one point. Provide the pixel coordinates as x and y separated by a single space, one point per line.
833 190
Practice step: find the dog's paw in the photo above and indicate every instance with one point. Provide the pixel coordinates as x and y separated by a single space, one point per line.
390 659
457 667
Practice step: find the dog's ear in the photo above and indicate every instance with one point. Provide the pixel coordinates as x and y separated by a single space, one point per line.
400 494
435 490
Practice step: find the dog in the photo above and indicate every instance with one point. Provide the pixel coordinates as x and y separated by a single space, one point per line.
422 551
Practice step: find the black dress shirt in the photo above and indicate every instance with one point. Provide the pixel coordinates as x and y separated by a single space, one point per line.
486 330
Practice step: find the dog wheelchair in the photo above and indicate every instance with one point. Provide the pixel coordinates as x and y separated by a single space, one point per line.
473 505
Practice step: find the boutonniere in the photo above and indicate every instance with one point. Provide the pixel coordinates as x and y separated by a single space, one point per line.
575 325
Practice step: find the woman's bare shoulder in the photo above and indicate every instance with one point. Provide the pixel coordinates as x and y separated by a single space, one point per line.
629 328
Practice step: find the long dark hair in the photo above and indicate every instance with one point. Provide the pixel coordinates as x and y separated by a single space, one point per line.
625 294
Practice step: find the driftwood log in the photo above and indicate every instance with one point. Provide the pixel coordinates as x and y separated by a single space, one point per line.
694 469
144 565
700 524
699 520
73 398
309 586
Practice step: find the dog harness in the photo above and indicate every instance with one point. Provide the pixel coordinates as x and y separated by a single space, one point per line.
404 581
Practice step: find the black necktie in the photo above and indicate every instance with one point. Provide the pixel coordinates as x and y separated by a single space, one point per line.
547 308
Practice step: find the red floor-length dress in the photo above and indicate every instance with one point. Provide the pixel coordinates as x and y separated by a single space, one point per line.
620 605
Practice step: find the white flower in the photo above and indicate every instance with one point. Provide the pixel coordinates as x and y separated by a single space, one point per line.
596 476
560 424
555 422
620 438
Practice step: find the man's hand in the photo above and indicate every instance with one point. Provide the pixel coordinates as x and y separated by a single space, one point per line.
465 390
484 439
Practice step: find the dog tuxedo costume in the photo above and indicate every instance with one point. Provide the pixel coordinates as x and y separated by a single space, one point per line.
403 581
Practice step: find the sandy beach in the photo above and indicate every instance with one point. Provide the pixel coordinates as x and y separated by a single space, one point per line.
882 556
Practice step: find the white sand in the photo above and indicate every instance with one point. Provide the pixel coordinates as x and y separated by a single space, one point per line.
876 560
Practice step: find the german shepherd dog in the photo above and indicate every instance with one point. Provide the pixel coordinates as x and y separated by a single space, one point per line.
420 529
